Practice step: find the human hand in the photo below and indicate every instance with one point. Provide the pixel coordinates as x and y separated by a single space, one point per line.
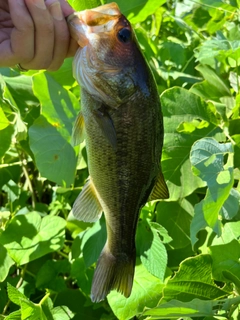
34 33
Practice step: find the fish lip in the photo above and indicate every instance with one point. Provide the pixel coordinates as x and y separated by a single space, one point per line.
88 23
78 28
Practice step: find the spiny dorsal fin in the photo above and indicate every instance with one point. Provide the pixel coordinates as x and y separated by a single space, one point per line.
105 123
87 207
78 130
160 189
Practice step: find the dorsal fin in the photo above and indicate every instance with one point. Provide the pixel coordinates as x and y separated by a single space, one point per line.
160 189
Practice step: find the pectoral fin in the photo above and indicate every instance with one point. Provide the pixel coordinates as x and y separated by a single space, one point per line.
78 130
87 207
160 189
106 125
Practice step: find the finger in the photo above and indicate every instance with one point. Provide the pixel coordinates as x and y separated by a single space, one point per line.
72 48
61 34
22 37
67 10
44 35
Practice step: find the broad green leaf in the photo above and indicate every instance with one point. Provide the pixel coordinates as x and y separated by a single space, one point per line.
49 275
138 10
81 274
6 138
20 126
230 231
231 205
217 49
59 106
165 238
225 259
28 237
84 4
181 106
195 308
57 313
31 311
93 241
146 292
64 75
213 88
54 156
62 313
4 122
21 90
193 280
176 218
151 250
207 158
15 295
16 315
5 263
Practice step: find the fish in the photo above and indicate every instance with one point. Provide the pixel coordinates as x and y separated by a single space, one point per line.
122 124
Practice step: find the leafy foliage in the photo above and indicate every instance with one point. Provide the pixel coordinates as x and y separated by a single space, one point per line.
188 246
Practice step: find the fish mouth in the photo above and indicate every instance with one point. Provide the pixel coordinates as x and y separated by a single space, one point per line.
88 23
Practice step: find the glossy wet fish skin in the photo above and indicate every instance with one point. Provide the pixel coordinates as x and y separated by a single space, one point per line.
124 135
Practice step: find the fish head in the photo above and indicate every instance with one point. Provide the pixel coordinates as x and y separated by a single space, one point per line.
107 53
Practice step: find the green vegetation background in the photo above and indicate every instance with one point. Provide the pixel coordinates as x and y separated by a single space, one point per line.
188 247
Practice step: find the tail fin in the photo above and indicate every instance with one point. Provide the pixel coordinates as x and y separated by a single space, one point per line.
113 272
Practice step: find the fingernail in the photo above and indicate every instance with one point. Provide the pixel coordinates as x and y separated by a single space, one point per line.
56 11
39 3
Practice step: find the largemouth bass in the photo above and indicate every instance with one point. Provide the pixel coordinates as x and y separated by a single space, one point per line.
122 124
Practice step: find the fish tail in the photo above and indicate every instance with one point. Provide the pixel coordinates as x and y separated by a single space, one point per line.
113 272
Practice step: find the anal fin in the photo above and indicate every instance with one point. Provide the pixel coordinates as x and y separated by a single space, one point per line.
160 189
87 207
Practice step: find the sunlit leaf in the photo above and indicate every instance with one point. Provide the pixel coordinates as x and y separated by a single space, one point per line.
146 292
29 237
207 158
54 156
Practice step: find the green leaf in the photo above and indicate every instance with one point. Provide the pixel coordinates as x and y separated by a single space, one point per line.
16 315
213 88
193 280
207 158
59 106
179 217
31 311
15 295
62 313
180 106
28 237
4 122
230 231
138 10
152 251
5 263
225 259
93 241
49 276
6 138
194 308
146 292
55 157
84 4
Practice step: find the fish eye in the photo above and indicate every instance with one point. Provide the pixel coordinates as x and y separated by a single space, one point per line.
124 35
